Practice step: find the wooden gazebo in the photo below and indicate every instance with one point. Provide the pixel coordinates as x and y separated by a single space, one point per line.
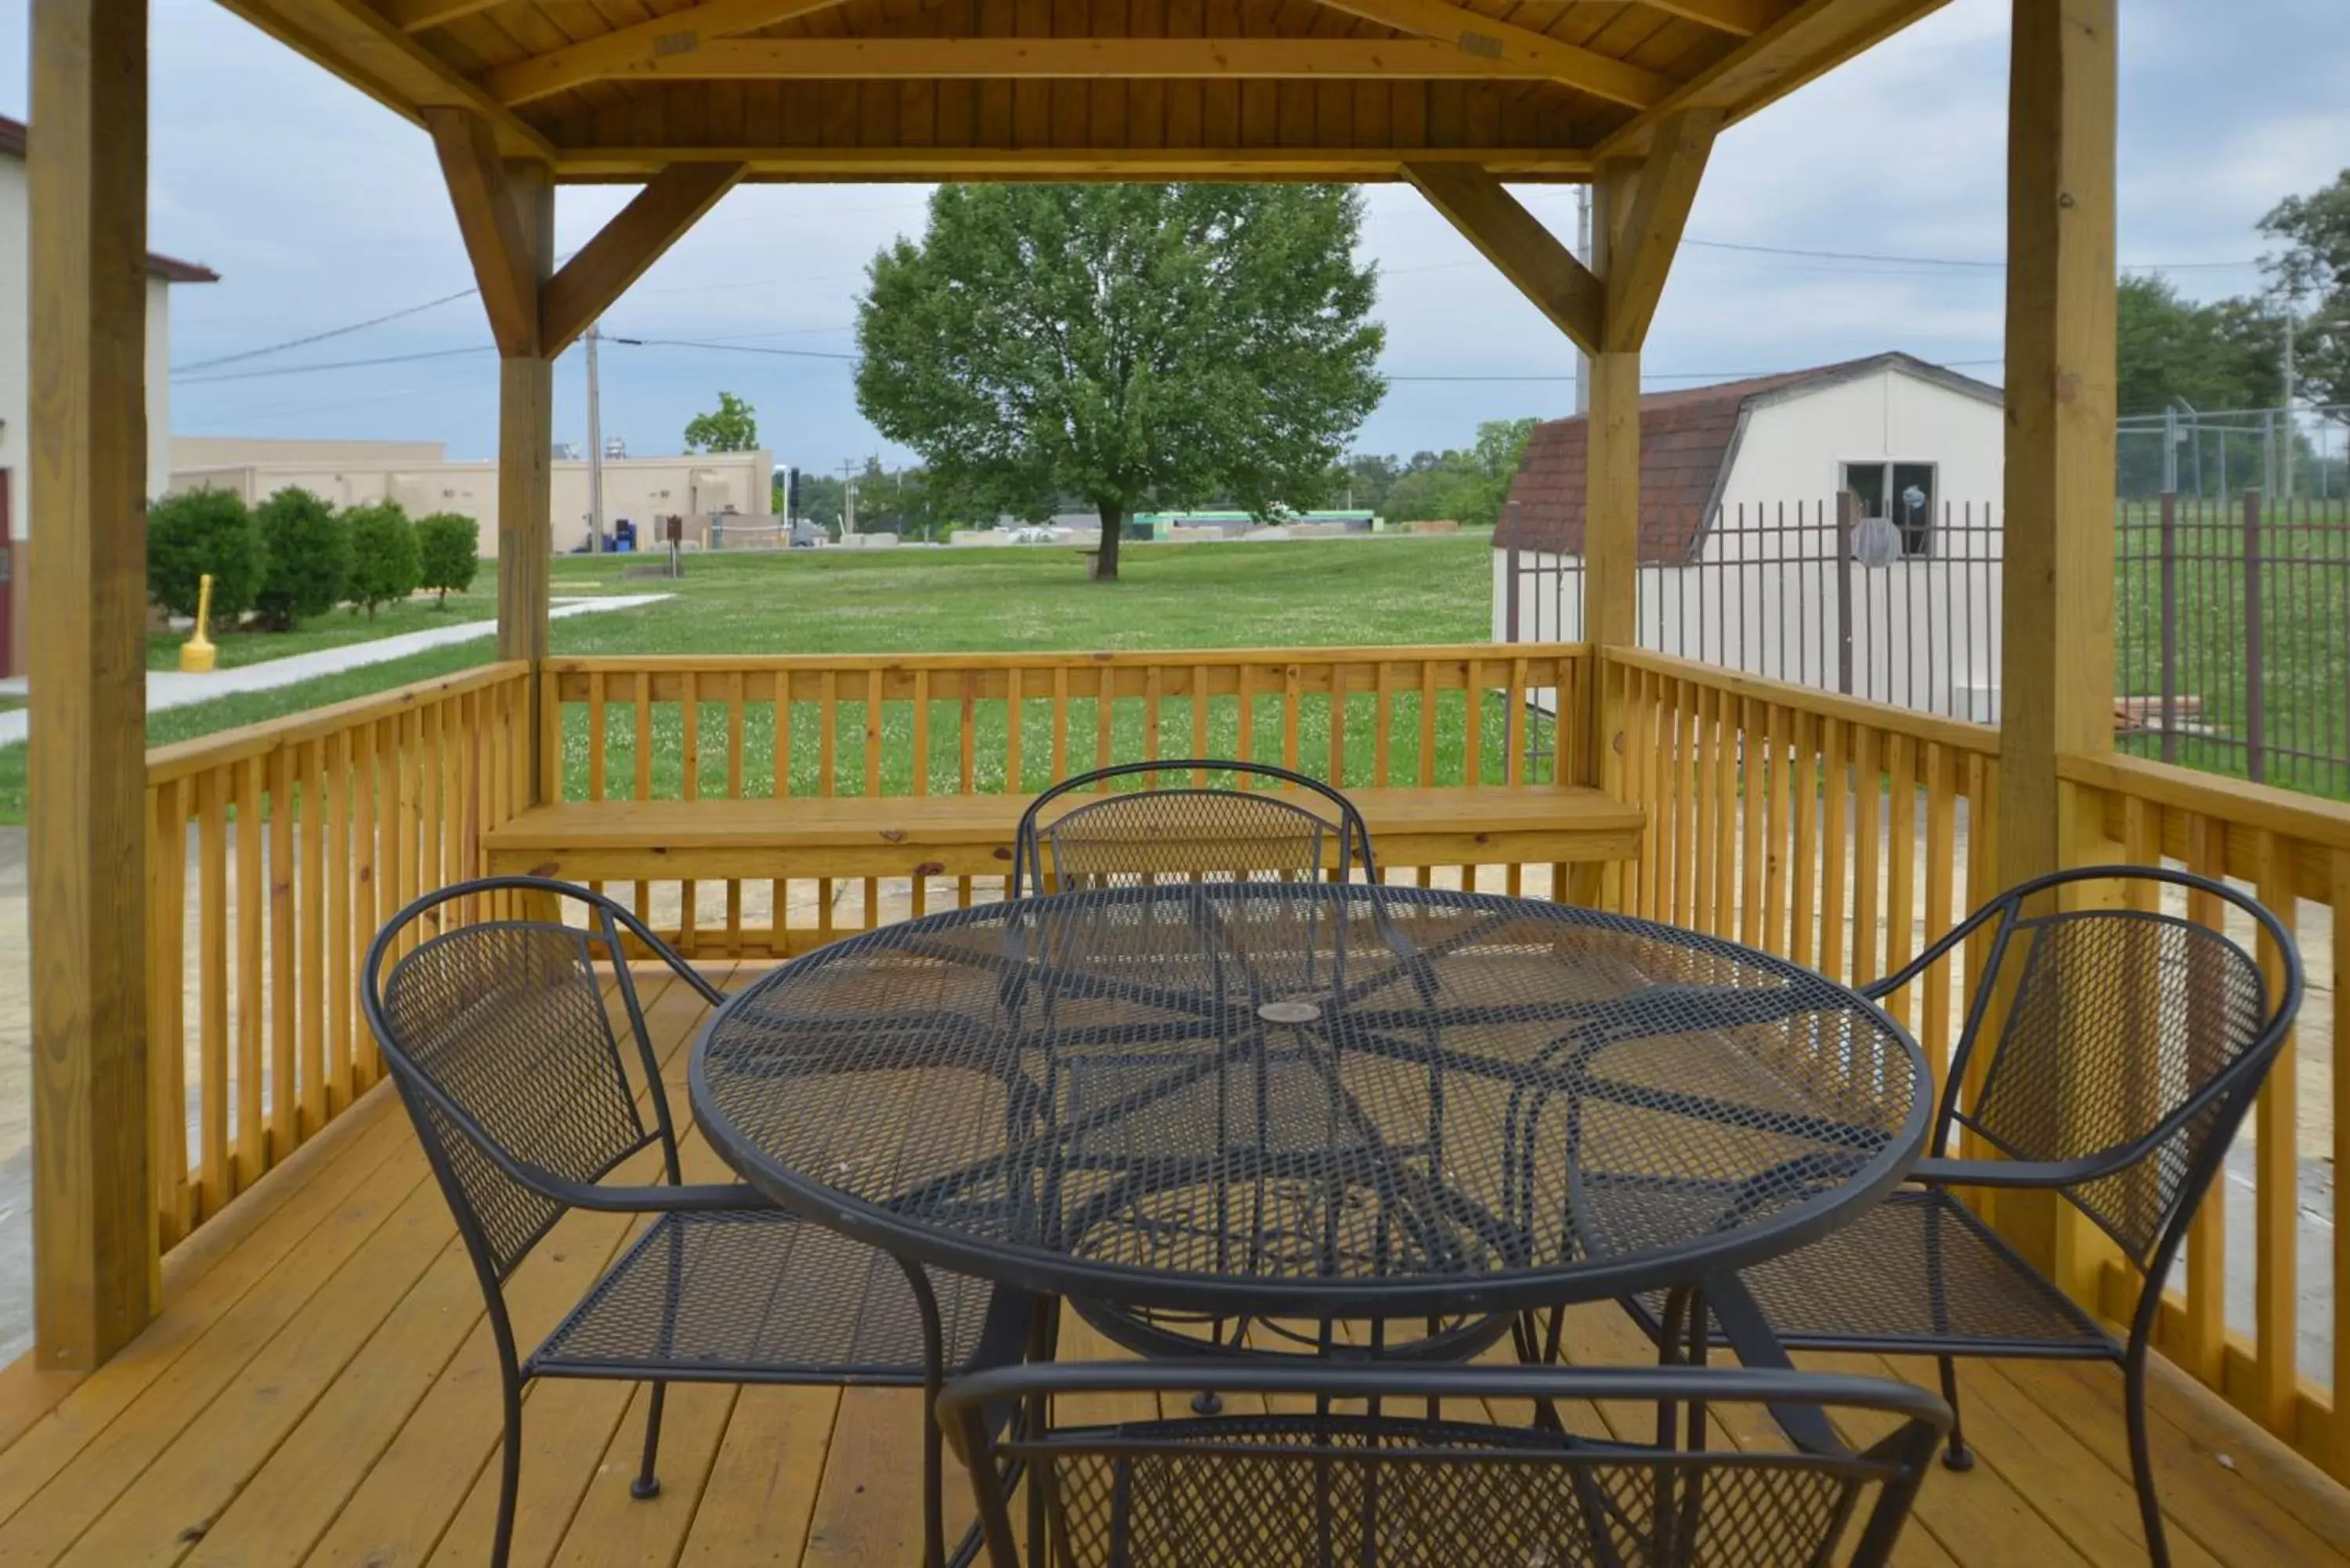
306 832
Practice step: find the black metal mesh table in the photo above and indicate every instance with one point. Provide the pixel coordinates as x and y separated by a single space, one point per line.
1310 1101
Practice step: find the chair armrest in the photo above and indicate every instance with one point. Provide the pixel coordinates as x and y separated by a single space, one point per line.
2011 1172
699 1197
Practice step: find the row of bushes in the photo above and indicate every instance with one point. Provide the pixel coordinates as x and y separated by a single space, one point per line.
294 555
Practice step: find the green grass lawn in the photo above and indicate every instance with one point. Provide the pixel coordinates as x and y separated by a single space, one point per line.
337 628
1302 594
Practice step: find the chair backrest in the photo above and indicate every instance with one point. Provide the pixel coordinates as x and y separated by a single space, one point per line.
2130 1039
1392 1486
1185 829
498 1036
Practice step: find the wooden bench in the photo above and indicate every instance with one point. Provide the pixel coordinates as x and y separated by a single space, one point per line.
970 835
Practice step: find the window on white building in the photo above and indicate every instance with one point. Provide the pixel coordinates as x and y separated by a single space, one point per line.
1905 492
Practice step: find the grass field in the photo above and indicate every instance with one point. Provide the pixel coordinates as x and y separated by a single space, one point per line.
337 629
1303 594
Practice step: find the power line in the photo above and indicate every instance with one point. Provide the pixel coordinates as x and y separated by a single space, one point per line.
322 337
731 349
332 365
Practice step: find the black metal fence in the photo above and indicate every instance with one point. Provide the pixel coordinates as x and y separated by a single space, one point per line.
2231 618
1898 609
2231 637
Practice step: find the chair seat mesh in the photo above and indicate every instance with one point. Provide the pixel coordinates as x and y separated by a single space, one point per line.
1298 1492
1919 1271
758 1293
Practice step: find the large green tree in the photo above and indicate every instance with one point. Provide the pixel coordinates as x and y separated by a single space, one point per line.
2314 272
1132 345
732 426
1468 486
2171 350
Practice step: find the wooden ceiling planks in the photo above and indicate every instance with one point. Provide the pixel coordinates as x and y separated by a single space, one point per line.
1623 62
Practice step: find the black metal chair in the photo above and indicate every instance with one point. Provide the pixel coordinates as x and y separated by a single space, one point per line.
498 1035
1375 1489
1129 836
1191 831
2132 1046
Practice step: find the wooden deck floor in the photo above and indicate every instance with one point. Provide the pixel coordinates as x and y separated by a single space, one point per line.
321 1390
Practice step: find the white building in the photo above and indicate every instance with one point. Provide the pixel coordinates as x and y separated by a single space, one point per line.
16 500
1836 527
733 488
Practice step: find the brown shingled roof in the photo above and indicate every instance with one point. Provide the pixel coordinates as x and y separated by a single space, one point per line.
1685 442
170 269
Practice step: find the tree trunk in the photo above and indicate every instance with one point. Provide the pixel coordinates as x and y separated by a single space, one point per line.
1113 522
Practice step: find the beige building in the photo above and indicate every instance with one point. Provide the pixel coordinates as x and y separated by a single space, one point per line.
17 500
422 478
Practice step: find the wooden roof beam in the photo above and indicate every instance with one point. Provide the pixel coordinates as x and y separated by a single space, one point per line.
1570 65
1097 60
1650 236
672 202
361 44
1515 242
491 222
679 33
1742 18
416 15
1806 42
633 165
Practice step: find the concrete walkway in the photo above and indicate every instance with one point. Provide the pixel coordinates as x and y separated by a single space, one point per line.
170 688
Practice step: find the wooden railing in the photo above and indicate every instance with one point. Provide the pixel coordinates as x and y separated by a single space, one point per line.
2293 851
1839 832
274 855
1845 835
681 729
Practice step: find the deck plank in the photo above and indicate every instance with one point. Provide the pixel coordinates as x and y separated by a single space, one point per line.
176 1498
761 1492
165 1377
321 1390
226 1362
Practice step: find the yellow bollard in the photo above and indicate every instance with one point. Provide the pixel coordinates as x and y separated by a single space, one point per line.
196 654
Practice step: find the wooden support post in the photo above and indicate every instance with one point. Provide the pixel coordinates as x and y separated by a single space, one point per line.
525 497
97 1273
506 211
2057 619
1639 210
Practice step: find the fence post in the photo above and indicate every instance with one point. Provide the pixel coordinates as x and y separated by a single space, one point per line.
1510 589
2256 726
2169 626
1510 564
1845 520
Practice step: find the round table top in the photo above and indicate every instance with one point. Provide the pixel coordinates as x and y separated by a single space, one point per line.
1311 1100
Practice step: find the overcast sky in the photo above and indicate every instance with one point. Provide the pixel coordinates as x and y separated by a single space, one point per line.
321 209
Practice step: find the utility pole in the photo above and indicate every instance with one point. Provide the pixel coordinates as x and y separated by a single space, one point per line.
2285 488
847 497
1583 255
594 446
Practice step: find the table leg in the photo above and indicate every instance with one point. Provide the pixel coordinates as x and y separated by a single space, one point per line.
934 1356
1748 1334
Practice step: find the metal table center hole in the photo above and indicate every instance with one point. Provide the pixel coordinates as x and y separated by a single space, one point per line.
1290 1013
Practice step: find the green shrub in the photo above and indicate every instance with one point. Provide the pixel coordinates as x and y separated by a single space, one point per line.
385 568
449 550
309 557
202 530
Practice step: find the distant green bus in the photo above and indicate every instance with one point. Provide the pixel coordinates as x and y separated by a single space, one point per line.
1147 527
